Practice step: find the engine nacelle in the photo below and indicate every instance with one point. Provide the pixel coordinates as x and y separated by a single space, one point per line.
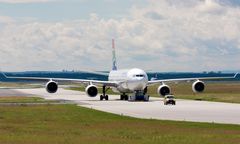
91 90
164 90
198 86
51 87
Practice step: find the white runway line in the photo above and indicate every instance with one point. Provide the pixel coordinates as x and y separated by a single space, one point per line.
185 110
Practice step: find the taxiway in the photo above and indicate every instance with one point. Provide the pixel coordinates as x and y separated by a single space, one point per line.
185 110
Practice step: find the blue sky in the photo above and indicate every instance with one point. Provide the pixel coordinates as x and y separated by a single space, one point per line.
164 35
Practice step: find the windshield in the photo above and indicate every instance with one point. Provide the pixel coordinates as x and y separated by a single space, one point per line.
139 75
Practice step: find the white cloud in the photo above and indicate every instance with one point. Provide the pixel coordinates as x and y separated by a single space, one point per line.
166 35
6 20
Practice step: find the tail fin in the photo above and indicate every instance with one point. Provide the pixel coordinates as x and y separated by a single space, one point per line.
114 61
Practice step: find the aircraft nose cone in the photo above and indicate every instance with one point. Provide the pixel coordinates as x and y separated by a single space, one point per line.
137 79
138 84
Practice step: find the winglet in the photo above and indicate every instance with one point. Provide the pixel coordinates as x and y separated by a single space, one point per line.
236 75
4 74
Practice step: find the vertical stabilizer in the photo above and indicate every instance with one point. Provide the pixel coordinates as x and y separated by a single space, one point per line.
114 61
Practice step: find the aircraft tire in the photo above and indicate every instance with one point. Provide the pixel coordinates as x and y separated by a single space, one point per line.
126 97
121 97
101 97
106 97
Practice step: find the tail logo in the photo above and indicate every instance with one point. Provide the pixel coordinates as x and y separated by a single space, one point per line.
114 66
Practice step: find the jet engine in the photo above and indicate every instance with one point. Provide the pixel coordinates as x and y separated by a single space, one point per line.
198 86
164 90
91 90
51 87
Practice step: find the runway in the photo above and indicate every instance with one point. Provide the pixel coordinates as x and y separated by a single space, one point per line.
185 110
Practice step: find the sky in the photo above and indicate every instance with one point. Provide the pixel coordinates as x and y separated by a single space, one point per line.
162 35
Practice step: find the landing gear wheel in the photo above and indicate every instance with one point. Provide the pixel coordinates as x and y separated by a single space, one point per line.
126 97
101 97
121 97
106 97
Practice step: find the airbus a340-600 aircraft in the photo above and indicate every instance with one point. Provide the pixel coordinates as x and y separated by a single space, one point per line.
134 81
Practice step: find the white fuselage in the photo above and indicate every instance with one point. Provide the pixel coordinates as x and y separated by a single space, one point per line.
129 80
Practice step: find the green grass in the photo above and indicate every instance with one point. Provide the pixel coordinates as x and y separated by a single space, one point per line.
19 85
219 92
69 124
18 99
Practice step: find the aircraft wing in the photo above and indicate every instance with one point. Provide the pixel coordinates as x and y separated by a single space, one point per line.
96 82
190 79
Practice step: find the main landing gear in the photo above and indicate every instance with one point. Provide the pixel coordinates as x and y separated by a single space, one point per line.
123 97
104 96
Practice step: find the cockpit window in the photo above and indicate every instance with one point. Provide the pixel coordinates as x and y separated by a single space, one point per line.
139 75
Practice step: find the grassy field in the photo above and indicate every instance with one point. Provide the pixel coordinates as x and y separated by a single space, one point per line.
221 92
69 124
18 85
16 99
218 91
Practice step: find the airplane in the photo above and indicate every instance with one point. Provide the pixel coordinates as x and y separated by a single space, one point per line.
124 81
